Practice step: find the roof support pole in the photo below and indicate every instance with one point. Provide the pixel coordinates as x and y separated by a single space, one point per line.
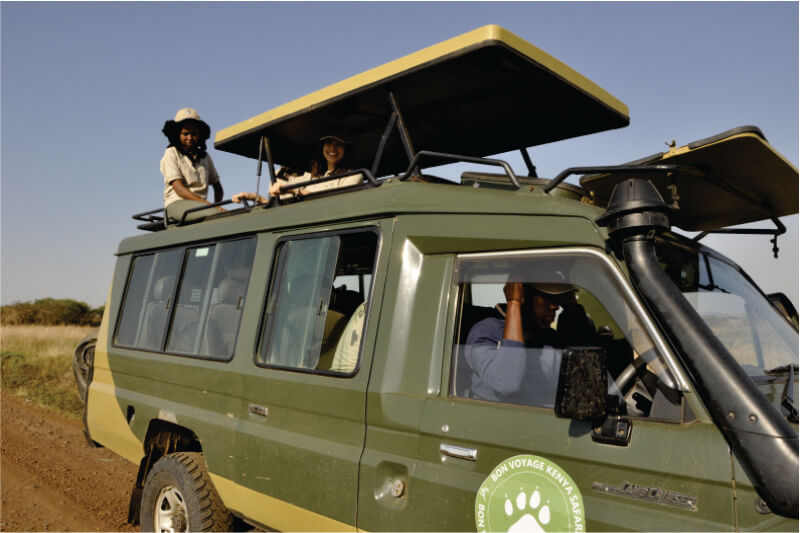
401 126
382 144
263 146
780 229
528 163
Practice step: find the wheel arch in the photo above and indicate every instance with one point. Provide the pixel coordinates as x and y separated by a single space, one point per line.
162 438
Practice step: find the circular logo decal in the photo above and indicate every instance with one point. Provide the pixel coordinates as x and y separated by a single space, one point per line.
529 493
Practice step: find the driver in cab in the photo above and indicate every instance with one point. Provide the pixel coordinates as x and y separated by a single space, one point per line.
516 357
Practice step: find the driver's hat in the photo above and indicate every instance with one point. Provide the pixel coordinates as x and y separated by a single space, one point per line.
551 289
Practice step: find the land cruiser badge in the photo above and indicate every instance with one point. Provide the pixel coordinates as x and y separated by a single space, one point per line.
529 493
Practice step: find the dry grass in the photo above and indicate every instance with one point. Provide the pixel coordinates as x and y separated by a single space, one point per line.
42 341
37 365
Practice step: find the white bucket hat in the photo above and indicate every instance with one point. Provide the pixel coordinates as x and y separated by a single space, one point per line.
187 113
171 127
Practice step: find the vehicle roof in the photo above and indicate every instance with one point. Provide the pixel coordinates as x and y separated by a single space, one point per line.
742 179
393 197
481 93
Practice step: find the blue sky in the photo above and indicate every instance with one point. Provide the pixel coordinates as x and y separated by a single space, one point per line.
86 88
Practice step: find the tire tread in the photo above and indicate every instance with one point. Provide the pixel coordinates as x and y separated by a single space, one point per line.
208 511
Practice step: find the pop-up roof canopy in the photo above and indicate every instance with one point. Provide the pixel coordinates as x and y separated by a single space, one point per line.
741 179
481 93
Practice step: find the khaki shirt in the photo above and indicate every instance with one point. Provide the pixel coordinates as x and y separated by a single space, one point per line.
198 175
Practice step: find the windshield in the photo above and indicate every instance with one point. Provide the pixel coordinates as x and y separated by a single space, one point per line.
752 330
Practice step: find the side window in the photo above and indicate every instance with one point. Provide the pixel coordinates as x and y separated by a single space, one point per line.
317 303
517 314
210 299
202 316
148 297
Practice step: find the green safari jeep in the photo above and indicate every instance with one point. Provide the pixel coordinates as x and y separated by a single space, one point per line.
481 352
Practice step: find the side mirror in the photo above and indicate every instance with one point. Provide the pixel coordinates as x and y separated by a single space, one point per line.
582 384
783 304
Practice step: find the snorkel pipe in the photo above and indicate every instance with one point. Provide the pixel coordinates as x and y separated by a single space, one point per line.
761 439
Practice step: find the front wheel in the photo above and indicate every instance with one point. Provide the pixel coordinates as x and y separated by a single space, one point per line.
178 496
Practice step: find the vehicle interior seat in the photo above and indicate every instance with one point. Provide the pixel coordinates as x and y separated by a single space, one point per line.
342 306
184 330
223 320
156 314
344 300
335 323
345 359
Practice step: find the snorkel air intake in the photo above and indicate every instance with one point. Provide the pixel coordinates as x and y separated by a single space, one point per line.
761 439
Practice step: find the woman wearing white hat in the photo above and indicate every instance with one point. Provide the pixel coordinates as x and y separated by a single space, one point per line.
187 168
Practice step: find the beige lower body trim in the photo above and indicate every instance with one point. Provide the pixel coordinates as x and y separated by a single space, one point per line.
271 511
104 418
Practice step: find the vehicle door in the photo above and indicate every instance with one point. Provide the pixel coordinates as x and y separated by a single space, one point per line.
303 434
657 463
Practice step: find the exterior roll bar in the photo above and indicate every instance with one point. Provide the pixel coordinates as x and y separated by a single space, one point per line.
620 169
460 158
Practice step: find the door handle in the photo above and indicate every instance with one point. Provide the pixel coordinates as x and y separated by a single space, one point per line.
259 410
470 454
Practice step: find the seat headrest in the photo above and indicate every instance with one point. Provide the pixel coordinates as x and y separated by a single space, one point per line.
163 288
229 291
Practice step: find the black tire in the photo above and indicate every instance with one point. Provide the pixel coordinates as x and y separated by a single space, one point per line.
83 363
178 496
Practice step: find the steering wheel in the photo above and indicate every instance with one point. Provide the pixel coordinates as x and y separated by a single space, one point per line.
628 375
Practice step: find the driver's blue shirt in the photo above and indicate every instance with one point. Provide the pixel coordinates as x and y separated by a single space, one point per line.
504 370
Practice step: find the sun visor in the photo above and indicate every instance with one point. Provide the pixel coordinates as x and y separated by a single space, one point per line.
741 179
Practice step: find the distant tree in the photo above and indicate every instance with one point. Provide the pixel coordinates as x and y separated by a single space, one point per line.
50 311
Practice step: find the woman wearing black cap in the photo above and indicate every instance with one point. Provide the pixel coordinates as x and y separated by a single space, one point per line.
188 170
334 157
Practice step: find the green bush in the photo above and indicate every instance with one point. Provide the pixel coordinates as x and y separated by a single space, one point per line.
51 312
47 381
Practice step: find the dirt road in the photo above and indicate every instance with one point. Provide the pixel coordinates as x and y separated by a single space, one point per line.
51 480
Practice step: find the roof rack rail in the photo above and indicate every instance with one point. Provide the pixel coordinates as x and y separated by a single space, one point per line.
183 220
371 181
152 222
621 169
156 220
412 167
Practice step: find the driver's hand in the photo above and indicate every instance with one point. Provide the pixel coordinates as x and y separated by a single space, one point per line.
514 291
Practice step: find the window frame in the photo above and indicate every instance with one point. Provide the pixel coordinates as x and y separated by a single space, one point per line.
125 293
617 277
182 248
273 272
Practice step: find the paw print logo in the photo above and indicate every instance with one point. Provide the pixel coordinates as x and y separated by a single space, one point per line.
529 493
528 513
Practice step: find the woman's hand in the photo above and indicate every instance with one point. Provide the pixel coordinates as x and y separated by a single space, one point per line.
251 196
275 189
180 187
239 197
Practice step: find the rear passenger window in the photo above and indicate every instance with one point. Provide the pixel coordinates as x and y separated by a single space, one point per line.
317 303
200 315
145 311
210 299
